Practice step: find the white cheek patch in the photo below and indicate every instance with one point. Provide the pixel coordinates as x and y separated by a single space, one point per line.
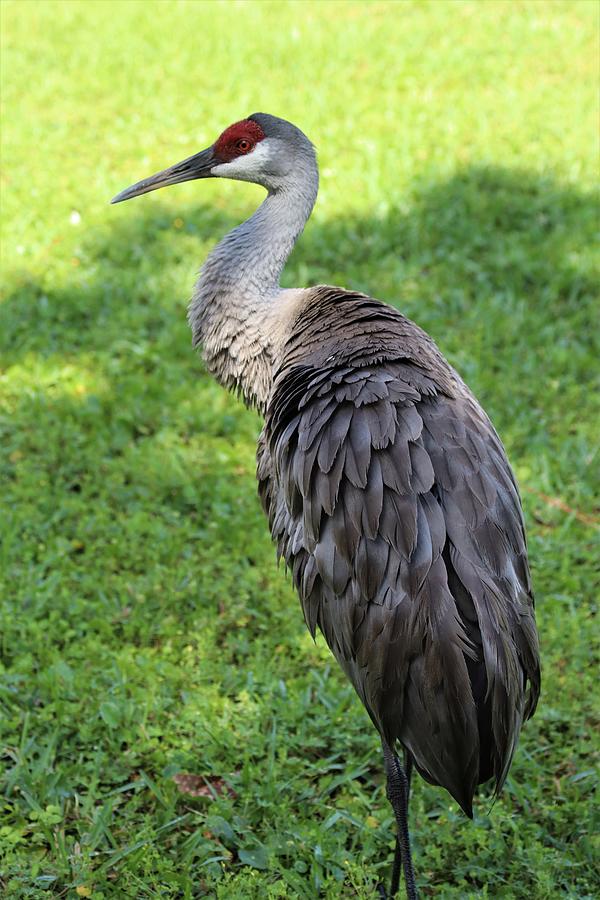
245 168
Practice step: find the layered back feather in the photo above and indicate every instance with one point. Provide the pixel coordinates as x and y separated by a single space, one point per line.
391 499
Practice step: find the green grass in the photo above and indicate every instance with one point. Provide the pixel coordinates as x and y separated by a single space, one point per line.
145 628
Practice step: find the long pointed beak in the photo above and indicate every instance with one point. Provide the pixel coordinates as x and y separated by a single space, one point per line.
197 166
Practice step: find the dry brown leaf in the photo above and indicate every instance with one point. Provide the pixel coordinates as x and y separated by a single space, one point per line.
558 503
201 785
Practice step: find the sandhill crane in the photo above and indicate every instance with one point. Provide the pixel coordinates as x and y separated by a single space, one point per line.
387 490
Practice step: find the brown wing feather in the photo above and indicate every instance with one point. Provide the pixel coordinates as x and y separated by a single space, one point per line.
390 497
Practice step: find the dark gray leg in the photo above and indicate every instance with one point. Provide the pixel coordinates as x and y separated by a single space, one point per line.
408 767
398 792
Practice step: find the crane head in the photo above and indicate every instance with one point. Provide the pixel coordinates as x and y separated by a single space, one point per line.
262 149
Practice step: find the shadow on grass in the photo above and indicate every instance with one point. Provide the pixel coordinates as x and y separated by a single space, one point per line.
485 232
492 262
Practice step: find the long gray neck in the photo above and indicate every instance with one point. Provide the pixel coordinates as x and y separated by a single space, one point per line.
233 312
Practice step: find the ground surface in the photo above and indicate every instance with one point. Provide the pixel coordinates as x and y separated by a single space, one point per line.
145 629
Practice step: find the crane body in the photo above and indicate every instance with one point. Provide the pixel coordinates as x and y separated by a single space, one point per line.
387 490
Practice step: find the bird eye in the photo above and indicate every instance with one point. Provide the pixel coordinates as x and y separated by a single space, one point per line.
243 145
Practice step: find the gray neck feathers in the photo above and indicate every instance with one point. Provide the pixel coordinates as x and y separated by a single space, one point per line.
233 311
